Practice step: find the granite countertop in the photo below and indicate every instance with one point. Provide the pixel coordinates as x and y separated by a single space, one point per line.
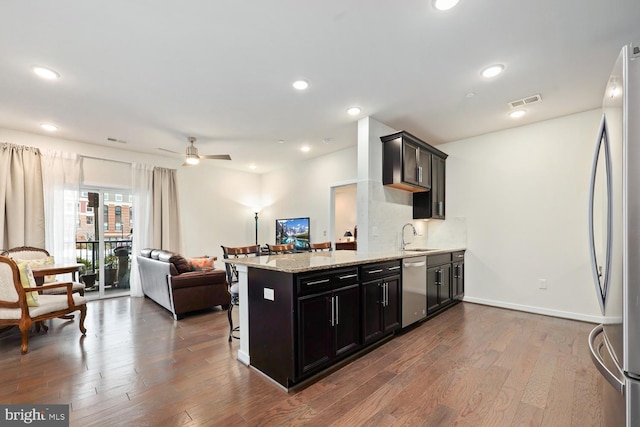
310 261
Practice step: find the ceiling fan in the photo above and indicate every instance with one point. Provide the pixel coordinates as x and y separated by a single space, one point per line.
192 157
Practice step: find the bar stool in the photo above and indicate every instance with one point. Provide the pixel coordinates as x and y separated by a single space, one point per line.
281 249
232 278
324 246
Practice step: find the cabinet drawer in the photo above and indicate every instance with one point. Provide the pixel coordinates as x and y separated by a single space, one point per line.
326 280
457 256
438 259
379 269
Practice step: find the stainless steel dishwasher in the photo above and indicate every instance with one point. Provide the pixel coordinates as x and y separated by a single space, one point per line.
414 289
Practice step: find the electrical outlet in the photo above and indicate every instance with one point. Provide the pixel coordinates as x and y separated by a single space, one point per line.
324 233
542 283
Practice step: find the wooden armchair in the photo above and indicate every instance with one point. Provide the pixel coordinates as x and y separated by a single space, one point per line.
14 310
32 255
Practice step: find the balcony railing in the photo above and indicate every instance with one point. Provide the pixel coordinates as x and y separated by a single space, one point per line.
117 256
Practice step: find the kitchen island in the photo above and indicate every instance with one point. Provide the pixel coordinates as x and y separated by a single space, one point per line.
301 313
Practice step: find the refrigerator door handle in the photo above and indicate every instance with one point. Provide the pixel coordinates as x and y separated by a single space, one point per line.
596 357
601 283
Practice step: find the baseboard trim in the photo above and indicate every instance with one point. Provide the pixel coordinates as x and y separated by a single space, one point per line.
538 310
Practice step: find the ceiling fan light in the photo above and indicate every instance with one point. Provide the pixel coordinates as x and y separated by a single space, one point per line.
192 160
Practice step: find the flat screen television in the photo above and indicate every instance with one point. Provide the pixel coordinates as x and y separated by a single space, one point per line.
293 230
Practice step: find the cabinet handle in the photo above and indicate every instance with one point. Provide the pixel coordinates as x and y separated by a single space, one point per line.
348 276
439 277
414 264
317 282
440 208
393 268
333 312
459 256
374 271
386 294
419 173
337 310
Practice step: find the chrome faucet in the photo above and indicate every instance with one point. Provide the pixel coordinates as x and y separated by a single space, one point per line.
415 233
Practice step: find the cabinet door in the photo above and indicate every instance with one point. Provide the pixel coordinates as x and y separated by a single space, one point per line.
371 311
392 312
438 187
315 331
433 277
410 158
347 319
458 280
446 296
424 168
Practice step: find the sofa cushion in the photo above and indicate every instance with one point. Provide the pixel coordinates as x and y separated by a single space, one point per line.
181 263
202 263
146 252
199 278
155 253
28 281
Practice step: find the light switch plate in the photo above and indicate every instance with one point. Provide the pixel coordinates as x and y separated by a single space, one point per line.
269 294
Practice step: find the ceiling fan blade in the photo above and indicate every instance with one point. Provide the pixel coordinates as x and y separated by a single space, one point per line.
217 157
169 151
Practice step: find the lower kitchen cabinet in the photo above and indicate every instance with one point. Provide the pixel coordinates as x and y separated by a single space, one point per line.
380 308
458 275
328 327
439 283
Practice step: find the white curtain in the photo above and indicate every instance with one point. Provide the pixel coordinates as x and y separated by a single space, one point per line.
142 187
61 181
21 197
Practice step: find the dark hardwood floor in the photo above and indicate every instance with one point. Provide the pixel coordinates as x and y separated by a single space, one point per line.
473 365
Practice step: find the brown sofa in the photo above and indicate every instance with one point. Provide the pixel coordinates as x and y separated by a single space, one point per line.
166 279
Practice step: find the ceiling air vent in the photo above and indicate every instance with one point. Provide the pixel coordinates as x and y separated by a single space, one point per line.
525 101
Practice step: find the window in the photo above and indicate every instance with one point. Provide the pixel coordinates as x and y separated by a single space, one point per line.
130 216
89 220
118 197
118 212
106 214
130 198
106 196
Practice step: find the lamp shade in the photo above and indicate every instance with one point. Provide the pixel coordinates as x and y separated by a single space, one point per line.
348 234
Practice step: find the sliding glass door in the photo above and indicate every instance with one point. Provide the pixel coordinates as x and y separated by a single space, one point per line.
103 240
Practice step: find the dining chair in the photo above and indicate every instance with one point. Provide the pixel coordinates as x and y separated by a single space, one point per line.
232 278
323 246
280 249
20 307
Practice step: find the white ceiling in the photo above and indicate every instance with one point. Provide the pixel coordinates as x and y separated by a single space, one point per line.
154 72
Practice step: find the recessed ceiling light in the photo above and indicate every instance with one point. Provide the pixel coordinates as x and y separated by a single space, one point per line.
305 148
45 73
470 94
281 141
300 84
517 114
492 71
252 166
49 127
353 111
327 140
445 4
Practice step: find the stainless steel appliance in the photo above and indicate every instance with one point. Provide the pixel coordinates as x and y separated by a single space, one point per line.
614 231
414 289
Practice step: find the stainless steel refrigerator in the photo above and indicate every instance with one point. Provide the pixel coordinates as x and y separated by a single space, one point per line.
614 231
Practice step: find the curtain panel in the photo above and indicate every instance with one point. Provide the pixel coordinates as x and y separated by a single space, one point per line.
156 223
61 179
22 220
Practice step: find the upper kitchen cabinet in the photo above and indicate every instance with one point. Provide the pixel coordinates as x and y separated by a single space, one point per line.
406 163
431 204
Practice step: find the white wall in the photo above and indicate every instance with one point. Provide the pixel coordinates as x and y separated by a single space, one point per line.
346 210
303 190
524 194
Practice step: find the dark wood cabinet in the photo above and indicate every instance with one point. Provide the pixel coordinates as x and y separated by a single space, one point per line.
380 308
457 267
406 162
328 327
439 292
431 204
381 299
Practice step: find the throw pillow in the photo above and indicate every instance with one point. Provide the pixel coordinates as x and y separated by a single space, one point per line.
27 280
182 264
41 262
203 263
